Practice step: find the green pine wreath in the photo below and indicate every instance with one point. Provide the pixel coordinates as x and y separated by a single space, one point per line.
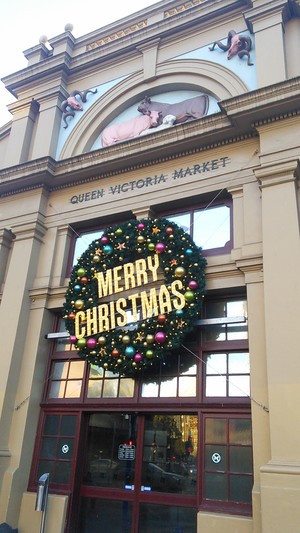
149 340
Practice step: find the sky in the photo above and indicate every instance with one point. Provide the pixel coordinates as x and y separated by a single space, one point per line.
23 22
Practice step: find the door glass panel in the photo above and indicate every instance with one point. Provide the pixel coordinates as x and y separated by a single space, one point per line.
110 454
166 519
104 516
170 454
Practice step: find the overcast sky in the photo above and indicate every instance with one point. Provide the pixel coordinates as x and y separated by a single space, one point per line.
22 22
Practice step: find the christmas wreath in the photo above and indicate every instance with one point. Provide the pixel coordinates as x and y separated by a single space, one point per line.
134 294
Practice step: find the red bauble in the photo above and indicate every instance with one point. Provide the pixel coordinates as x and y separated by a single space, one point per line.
161 319
115 352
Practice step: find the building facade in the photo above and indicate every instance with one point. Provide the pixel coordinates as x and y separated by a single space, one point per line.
130 148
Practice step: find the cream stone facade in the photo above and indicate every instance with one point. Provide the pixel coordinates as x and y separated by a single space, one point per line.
57 181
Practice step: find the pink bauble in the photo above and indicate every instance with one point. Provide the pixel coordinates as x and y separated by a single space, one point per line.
160 337
104 239
91 343
141 226
193 285
73 339
160 247
138 357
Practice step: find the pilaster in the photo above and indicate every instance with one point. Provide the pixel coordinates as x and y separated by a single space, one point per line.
21 136
266 20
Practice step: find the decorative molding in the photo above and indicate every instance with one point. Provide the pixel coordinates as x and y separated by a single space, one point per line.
117 35
182 7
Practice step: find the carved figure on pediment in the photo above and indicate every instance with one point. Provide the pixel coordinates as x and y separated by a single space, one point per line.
236 45
130 128
72 104
184 111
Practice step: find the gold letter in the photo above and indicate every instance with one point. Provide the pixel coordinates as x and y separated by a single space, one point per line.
164 297
103 318
177 284
149 307
140 268
129 276
154 267
119 306
91 322
104 283
133 298
117 279
80 317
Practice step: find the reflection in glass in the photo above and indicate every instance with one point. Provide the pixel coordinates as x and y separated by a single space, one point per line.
170 454
83 241
212 227
227 374
105 384
187 386
215 386
106 433
168 388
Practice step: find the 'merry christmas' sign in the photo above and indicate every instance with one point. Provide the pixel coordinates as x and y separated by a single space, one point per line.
134 295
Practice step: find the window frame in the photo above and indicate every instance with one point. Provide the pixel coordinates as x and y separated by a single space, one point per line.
203 206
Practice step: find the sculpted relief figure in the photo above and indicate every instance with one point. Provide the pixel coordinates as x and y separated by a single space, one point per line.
72 104
236 45
130 128
184 111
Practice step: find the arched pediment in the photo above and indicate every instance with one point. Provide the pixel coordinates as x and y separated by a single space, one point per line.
178 75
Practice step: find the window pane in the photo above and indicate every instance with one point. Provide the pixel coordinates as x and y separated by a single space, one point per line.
96 371
215 430
187 386
212 227
183 220
168 389
240 459
62 472
216 363
68 425
51 425
215 386
76 369
94 388
48 449
215 457
240 431
126 388
165 518
65 448
150 390
73 389
215 486
60 370
57 389
239 386
110 388
237 308
241 488
84 241
238 363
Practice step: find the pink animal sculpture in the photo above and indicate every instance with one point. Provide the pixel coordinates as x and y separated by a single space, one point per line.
130 128
71 104
236 45
184 111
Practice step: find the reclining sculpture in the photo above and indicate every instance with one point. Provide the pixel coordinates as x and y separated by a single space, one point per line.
184 111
